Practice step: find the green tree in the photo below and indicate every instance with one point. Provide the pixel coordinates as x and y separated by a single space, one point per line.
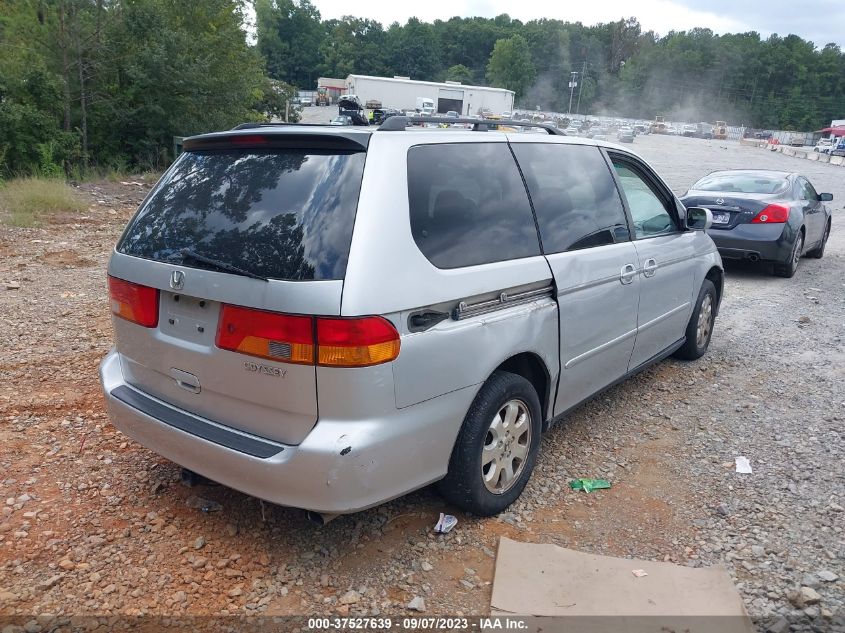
510 65
459 72
413 50
353 45
289 34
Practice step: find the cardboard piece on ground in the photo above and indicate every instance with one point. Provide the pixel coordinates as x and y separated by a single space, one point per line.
547 580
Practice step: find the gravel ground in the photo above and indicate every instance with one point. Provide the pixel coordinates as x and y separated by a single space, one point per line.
93 523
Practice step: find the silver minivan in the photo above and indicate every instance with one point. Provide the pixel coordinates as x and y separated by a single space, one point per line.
329 317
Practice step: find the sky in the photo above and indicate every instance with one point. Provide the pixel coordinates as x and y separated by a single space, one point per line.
820 21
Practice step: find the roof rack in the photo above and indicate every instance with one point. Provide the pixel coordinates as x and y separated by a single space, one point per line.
399 123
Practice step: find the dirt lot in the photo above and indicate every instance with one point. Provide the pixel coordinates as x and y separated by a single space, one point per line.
93 523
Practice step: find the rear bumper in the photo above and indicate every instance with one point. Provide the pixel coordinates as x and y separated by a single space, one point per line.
342 466
767 242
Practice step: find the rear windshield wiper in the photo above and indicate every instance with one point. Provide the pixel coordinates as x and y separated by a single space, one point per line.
229 268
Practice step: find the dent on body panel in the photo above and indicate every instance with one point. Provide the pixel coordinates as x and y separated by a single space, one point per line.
454 355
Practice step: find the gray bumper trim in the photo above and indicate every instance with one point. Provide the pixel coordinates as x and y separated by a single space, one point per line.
195 426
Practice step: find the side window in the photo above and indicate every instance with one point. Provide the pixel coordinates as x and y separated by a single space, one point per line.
574 196
468 204
807 190
649 211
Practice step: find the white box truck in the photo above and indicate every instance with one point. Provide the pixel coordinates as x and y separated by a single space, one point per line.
425 106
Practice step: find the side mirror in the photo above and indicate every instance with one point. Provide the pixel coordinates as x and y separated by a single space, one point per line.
825 197
699 218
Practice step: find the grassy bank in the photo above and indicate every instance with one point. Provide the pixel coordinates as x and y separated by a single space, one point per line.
30 201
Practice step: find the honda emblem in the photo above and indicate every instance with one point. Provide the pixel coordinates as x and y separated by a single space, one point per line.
177 280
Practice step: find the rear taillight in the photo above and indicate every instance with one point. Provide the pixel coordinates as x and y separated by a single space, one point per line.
772 214
134 302
280 337
357 342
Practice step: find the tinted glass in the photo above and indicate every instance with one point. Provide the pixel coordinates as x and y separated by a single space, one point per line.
647 209
281 214
574 196
468 204
740 182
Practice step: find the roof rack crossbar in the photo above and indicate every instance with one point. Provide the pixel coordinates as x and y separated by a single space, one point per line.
400 123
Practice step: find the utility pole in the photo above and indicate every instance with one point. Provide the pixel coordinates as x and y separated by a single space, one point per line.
573 76
583 75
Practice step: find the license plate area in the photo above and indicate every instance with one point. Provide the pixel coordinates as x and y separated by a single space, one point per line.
721 217
188 318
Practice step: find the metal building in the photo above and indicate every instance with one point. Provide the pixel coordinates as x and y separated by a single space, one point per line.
402 93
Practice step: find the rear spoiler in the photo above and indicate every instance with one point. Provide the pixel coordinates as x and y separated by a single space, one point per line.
282 136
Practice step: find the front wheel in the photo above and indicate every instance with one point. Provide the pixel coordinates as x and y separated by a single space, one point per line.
701 322
496 448
787 269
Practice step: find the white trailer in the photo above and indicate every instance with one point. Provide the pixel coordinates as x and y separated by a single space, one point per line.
403 93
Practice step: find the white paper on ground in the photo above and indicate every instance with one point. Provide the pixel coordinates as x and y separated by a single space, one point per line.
445 523
743 465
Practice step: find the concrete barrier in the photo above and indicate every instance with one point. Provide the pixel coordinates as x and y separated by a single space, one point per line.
806 154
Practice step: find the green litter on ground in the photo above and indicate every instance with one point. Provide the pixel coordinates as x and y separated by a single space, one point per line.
588 485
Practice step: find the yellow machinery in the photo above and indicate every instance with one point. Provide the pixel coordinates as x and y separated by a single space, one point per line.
658 126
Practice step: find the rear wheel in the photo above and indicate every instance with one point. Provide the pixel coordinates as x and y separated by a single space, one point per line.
700 326
496 448
788 268
818 251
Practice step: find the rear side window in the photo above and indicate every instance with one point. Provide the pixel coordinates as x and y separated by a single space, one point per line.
574 196
468 204
807 190
281 214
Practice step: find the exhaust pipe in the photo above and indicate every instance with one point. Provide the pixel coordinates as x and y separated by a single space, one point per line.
320 518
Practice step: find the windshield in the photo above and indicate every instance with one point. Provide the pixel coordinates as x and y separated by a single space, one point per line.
281 214
743 183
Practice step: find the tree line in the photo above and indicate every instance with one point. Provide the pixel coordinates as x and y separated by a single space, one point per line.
774 82
108 83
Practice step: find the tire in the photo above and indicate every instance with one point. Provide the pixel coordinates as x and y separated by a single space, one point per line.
464 485
700 327
818 251
787 268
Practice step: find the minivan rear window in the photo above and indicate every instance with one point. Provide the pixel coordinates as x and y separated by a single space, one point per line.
468 204
281 214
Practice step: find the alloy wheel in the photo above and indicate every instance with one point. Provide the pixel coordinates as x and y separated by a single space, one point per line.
506 447
705 321
796 250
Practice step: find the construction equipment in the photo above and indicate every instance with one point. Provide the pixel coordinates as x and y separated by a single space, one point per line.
658 126
720 131
323 98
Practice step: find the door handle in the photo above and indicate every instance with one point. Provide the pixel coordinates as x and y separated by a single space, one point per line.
629 271
649 268
420 321
186 381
